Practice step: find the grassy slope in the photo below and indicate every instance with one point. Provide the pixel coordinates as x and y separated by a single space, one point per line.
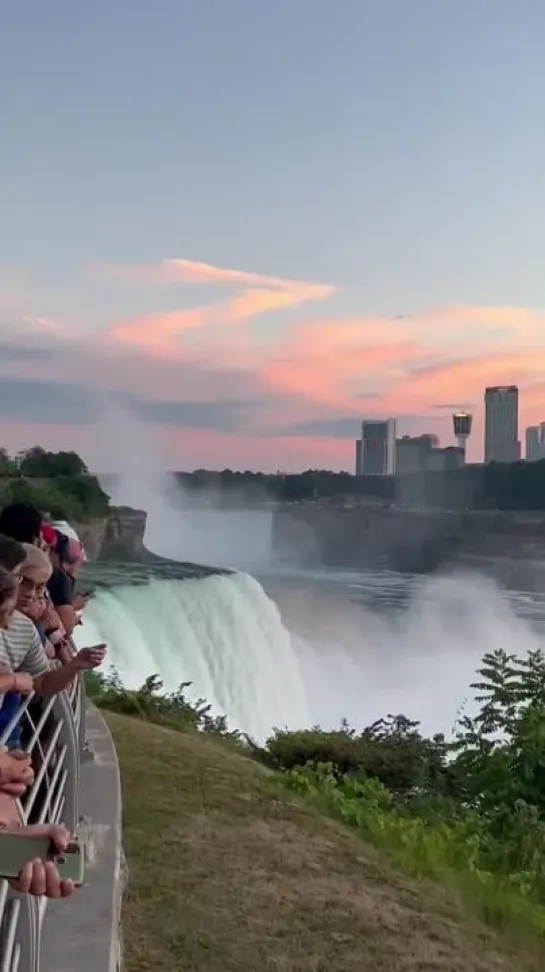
229 874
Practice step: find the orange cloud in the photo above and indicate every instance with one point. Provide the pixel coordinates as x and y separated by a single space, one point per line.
156 331
263 294
325 376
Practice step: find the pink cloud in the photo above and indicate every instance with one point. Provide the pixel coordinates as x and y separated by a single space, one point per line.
194 272
306 371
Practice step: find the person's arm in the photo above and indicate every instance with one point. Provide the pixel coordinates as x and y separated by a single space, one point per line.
49 650
57 679
68 617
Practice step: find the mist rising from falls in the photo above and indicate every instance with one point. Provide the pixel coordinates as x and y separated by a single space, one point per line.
341 658
222 633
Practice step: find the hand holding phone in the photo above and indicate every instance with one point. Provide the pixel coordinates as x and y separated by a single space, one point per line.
91 657
42 859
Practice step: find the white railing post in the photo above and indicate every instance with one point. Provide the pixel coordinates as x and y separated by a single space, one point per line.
53 738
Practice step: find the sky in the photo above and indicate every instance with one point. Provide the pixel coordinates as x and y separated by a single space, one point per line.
249 225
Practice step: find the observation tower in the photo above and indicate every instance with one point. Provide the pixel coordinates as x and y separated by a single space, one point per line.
462 422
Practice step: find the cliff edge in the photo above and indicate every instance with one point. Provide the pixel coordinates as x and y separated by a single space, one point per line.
118 536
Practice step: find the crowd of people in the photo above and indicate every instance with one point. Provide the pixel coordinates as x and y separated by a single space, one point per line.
39 609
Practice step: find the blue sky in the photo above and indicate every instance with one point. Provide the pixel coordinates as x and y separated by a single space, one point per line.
392 150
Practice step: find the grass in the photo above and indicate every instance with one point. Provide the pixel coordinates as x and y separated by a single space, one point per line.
229 872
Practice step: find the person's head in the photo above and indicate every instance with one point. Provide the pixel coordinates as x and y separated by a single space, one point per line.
9 589
12 554
35 572
22 522
69 553
49 537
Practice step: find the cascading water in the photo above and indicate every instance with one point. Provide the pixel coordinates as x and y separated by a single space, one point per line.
222 633
345 657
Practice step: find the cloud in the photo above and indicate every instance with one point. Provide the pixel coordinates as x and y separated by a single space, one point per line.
12 351
194 272
42 401
43 324
157 331
258 294
228 415
214 384
342 427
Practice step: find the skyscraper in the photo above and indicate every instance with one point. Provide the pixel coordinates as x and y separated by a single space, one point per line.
501 441
535 442
358 457
378 447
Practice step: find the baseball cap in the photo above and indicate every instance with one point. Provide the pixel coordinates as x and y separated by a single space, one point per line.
49 534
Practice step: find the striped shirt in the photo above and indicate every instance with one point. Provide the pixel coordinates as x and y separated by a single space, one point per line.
21 649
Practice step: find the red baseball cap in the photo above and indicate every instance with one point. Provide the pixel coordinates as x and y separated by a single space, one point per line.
49 534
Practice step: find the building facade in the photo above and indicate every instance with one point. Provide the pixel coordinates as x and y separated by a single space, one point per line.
377 449
421 454
501 441
358 457
535 442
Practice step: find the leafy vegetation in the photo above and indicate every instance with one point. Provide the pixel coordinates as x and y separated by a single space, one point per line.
58 483
470 811
152 704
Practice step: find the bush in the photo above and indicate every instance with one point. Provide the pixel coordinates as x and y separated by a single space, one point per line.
391 751
150 703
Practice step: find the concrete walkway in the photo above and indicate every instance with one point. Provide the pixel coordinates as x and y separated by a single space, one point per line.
83 932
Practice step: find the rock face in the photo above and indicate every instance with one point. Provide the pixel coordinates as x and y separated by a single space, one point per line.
409 540
124 535
119 536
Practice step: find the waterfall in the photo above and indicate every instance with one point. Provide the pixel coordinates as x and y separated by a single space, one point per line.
221 633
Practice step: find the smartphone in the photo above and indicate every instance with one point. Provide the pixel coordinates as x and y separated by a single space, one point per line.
16 850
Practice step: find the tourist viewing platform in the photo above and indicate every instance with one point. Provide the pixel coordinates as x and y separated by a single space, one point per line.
77 784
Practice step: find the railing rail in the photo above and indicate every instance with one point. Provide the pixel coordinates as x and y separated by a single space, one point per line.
53 732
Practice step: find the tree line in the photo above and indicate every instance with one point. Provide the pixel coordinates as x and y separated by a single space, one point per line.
516 486
58 483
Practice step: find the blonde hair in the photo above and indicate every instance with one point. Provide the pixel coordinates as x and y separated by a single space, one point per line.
36 562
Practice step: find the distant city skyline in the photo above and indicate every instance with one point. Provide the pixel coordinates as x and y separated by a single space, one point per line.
230 232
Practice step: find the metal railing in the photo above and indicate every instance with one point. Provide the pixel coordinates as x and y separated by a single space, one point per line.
53 733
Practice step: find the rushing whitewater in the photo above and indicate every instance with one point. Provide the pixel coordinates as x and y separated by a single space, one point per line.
221 633
348 653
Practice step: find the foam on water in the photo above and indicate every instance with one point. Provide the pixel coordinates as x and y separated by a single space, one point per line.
222 633
226 636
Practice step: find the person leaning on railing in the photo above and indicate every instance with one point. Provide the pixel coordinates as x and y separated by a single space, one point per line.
67 557
38 877
21 649
33 602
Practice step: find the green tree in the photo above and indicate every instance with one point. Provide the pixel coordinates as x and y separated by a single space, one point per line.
39 463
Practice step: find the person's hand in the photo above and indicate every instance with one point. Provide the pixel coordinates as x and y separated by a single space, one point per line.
23 682
80 601
16 773
40 877
90 657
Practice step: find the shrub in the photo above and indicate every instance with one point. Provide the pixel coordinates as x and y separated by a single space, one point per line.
151 703
391 751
